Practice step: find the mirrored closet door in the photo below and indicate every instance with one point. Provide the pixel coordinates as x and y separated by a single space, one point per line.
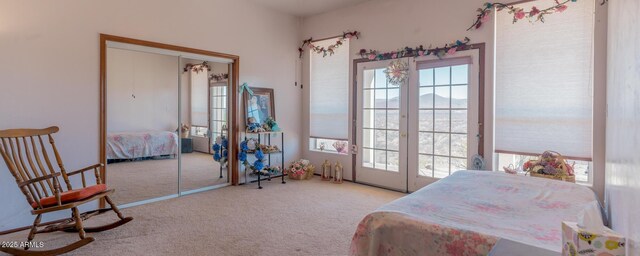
165 121
204 113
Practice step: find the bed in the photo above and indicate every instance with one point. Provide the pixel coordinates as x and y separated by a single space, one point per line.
468 212
141 145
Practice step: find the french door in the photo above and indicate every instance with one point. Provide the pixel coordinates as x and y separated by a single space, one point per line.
416 133
382 128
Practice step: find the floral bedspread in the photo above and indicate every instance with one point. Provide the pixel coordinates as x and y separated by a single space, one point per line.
131 145
468 212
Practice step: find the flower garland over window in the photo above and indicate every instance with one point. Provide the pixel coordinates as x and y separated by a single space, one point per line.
331 48
197 67
518 13
440 52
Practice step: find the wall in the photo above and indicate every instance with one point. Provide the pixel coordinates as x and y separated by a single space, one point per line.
388 25
142 91
623 121
49 70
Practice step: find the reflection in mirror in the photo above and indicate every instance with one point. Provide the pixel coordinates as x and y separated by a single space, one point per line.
142 120
204 111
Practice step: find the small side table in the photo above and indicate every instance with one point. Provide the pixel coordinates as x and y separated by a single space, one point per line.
187 145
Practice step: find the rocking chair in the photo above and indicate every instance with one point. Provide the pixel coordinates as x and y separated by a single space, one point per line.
27 158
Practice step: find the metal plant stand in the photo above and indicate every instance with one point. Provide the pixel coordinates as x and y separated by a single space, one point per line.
261 136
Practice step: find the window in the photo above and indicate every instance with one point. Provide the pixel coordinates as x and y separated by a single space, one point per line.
582 168
443 107
329 96
329 145
218 109
544 83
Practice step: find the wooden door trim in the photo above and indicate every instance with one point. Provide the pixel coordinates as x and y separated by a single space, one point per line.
233 117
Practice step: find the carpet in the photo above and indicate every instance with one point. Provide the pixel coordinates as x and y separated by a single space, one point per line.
310 217
140 180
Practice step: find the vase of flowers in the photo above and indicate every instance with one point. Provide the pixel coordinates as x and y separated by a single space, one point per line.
301 170
550 165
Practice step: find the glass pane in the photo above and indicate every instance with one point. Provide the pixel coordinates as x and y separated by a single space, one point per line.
381 119
367 118
393 98
458 164
443 76
425 120
425 144
381 139
381 78
367 138
393 140
393 119
459 145
459 121
441 144
393 161
426 97
367 99
460 74
442 120
459 96
367 158
381 98
441 166
368 78
380 159
426 77
442 97
425 165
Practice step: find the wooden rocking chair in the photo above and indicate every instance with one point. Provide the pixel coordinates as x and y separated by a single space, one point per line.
27 158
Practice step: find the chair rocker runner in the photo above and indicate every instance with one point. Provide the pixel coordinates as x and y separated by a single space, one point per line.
27 157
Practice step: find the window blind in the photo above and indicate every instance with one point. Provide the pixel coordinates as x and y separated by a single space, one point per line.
199 99
329 92
544 82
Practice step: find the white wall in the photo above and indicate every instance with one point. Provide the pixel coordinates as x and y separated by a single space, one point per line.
49 68
623 121
388 25
143 91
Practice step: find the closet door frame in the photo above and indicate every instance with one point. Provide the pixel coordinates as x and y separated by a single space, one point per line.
233 98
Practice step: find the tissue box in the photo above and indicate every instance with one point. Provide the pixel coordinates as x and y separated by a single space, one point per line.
577 241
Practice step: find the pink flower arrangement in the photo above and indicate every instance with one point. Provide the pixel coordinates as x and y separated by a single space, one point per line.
452 50
520 14
301 169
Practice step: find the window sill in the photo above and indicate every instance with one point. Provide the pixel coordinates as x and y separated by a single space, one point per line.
328 152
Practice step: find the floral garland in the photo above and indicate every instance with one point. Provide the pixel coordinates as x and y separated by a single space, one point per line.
440 52
519 13
218 77
220 149
258 165
197 67
330 50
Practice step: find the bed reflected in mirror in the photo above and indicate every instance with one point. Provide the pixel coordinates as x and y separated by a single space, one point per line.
142 145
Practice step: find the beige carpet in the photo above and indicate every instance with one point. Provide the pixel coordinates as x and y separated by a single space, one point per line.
140 180
298 218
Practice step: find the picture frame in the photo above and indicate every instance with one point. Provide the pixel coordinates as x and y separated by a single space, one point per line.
260 105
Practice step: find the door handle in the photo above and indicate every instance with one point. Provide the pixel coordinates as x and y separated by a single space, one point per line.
403 134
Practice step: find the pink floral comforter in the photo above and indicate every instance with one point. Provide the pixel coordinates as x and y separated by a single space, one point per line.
132 145
467 212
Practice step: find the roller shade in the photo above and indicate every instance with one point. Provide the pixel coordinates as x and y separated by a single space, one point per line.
544 82
329 92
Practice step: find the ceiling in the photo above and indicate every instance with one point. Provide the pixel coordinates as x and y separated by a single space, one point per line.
305 8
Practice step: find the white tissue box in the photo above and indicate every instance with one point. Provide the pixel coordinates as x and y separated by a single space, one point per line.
577 241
